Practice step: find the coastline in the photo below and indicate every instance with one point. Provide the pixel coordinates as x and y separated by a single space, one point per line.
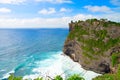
62 66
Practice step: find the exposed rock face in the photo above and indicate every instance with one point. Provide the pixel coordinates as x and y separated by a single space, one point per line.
92 43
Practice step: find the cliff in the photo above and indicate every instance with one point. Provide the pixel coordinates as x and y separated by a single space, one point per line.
95 44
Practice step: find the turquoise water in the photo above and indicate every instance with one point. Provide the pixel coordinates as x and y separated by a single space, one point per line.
33 53
22 49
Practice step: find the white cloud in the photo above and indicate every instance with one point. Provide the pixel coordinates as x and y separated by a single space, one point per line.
47 11
11 1
114 16
64 10
41 22
115 2
55 1
98 8
50 22
5 10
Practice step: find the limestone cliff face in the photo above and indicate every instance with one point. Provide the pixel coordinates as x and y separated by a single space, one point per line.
92 44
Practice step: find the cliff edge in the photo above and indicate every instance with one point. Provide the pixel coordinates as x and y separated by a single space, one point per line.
95 44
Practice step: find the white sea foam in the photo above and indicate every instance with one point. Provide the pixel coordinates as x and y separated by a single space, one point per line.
7 74
59 65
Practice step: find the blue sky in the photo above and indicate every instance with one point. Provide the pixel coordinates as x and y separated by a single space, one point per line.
54 13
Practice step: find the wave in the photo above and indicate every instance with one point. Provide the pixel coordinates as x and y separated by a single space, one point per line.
5 76
48 67
55 64
59 65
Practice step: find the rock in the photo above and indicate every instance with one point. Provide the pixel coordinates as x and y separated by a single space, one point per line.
91 43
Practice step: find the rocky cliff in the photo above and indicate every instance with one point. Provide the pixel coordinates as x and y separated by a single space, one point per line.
95 44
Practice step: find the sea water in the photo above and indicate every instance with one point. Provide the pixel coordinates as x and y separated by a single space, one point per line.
31 53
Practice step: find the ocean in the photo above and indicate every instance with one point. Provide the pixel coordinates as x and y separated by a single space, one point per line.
31 53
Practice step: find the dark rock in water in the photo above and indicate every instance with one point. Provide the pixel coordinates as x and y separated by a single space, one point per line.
92 44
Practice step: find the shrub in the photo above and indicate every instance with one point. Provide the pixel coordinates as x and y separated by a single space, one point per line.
75 77
58 78
12 77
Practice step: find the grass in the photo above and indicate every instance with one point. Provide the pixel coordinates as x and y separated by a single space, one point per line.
114 58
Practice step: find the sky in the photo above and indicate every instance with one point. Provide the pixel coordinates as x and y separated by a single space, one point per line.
55 13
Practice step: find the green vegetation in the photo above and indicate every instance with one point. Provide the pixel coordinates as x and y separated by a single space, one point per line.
115 76
78 31
12 77
75 77
115 57
109 76
107 23
101 34
95 40
106 77
91 20
58 77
